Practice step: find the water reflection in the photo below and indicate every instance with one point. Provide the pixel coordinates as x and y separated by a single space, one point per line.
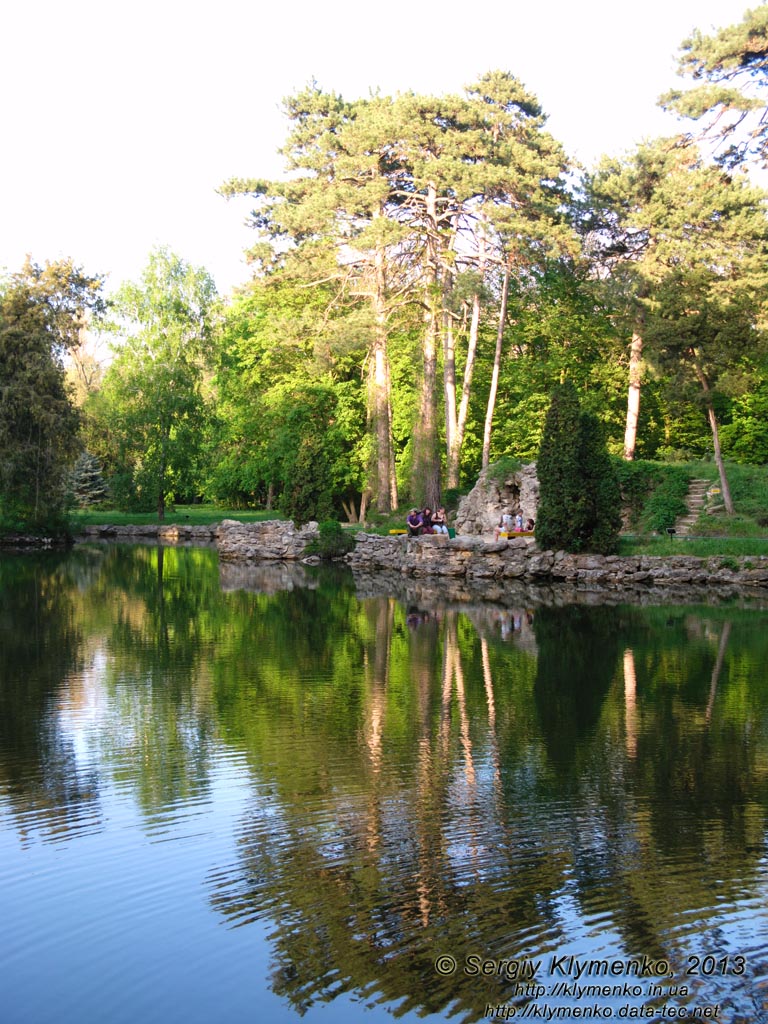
404 776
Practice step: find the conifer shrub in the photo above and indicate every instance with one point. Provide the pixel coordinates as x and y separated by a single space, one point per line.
579 498
560 486
602 495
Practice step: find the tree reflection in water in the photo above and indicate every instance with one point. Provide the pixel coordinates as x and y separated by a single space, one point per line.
503 802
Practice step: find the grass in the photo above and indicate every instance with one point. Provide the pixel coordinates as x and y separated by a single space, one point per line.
702 547
715 535
189 515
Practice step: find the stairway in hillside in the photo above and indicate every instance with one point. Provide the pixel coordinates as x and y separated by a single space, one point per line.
695 500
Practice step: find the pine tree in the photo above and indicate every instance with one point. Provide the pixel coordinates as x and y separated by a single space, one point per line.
87 483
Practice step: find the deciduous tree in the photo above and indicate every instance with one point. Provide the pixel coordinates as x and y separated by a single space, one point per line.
147 419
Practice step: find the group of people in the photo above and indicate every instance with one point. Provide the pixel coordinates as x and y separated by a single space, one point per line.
513 524
424 520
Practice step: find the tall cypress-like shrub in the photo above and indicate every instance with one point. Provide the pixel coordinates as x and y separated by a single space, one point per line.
558 465
602 494
579 496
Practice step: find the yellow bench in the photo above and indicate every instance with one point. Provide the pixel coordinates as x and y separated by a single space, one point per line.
394 533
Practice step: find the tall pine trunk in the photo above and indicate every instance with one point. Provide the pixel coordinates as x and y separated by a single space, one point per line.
426 463
449 393
633 394
496 370
380 394
379 401
455 440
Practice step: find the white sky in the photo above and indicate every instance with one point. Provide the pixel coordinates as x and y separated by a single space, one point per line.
120 119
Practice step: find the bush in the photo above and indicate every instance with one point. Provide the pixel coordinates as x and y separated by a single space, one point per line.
504 468
332 541
579 496
653 492
667 503
560 483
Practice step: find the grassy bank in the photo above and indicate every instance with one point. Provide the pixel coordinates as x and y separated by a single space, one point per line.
191 515
701 547
653 492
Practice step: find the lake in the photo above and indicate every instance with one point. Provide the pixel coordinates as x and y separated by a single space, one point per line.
245 795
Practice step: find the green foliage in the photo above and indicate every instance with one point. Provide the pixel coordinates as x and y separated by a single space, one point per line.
452 496
332 541
745 437
148 421
304 454
667 502
579 502
653 493
730 90
602 497
560 481
41 310
503 468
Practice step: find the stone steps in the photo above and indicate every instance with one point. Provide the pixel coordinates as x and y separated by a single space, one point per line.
696 501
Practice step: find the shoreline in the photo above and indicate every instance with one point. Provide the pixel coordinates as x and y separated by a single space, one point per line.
470 559
479 561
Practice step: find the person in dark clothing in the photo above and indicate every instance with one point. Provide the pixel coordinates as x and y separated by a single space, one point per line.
414 522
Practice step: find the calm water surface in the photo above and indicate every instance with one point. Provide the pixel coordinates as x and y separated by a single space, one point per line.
231 796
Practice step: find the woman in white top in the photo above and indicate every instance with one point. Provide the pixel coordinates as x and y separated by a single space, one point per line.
439 523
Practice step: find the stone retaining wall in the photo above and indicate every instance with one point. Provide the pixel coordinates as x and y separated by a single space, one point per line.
467 561
475 560
273 540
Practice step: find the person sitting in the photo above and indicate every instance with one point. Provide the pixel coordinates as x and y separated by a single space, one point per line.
414 522
426 521
518 523
529 526
439 521
505 525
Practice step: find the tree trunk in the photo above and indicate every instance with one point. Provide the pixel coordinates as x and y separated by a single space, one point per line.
633 395
379 392
393 495
426 487
460 424
364 497
496 370
711 416
382 431
349 510
449 391
161 478
426 463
